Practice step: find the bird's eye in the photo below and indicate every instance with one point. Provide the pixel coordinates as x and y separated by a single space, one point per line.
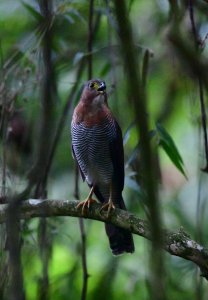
92 85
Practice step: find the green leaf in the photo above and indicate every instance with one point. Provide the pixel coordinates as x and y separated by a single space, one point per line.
78 57
69 18
105 69
128 132
132 184
34 12
168 145
78 15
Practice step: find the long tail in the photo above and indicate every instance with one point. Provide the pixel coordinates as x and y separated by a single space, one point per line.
121 240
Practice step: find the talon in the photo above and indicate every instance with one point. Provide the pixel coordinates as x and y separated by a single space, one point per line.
109 206
85 203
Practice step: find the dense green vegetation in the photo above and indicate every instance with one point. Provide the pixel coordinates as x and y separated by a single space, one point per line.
60 49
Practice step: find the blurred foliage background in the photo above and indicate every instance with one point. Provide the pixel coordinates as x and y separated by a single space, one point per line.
173 103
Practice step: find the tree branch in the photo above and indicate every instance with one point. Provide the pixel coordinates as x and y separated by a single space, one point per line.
176 243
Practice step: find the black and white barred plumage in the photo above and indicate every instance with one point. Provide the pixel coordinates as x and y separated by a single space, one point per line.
98 149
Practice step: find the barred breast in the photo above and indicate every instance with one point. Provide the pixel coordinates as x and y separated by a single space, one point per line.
91 146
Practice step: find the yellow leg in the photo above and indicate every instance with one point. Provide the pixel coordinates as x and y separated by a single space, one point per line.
109 205
86 203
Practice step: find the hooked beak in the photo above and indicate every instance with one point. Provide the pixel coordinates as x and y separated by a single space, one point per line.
102 87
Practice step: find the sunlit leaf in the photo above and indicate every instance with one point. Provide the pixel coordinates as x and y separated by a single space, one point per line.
78 57
168 145
127 133
132 184
69 18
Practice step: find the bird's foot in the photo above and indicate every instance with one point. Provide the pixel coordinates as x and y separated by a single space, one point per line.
85 204
109 206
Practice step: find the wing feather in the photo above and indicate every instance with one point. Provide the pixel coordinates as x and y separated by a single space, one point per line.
74 156
117 156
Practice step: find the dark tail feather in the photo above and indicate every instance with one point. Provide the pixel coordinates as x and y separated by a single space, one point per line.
121 240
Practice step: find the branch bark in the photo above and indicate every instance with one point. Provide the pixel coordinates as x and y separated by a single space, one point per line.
176 243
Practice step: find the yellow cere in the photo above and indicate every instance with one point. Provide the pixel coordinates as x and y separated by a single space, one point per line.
95 85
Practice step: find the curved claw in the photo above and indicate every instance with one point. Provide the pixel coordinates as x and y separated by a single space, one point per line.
109 206
85 203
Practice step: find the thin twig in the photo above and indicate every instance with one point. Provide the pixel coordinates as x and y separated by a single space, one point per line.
90 37
4 156
199 219
193 26
3 128
204 123
145 67
13 244
83 240
45 245
76 192
84 259
197 43
198 235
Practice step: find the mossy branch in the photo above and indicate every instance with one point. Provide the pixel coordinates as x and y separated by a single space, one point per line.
176 243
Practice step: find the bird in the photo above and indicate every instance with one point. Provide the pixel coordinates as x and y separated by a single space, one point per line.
97 146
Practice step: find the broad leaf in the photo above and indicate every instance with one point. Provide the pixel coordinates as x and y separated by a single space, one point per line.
168 145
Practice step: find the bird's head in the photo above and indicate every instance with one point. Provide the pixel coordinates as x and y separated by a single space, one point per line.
94 92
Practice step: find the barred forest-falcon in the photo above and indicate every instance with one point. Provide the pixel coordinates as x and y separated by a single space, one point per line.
97 147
